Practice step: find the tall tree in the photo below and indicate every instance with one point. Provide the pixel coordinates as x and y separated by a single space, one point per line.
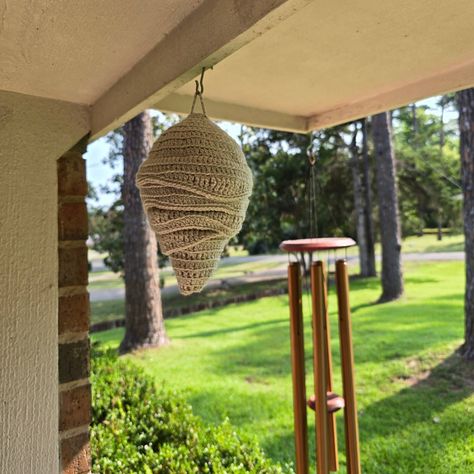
362 206
369 268
144 324
465 100
390 235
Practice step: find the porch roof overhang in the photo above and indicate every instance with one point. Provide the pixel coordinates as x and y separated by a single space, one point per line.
293 65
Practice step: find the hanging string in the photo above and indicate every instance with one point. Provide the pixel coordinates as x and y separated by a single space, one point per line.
311 188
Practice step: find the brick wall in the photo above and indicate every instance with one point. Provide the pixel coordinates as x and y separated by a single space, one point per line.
73 315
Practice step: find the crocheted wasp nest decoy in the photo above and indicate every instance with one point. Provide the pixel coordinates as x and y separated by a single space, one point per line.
195 186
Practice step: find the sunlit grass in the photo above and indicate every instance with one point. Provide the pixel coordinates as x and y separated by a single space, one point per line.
416 401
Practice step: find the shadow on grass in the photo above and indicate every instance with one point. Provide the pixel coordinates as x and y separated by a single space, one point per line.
249 409
393 332
234 329
417 422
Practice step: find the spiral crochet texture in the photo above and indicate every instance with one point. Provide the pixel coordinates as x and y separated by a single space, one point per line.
195 186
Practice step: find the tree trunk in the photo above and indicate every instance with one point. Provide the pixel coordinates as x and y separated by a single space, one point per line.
144 324
465 101
392 279
440 224
358 203
367 198
441 150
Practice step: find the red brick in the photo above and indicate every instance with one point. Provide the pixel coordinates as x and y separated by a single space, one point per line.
72 221
73 266
76 455
75 407
73 313
74 361
72 175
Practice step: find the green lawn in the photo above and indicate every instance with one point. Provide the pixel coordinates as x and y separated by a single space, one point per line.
416 401
430 243
427 243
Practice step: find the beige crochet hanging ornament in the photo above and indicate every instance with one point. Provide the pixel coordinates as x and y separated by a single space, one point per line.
195 187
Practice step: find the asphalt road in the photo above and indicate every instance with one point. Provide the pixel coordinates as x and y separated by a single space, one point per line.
265 275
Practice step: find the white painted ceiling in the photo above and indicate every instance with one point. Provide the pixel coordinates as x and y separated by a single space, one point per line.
288 64
75 50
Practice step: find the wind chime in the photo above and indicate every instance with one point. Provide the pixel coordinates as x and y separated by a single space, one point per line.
324 402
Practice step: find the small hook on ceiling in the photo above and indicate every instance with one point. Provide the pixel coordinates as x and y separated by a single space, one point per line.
200 83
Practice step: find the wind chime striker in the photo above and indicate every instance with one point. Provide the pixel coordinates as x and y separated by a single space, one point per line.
323 401
195 186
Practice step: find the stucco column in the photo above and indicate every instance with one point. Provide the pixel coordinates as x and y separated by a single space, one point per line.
34 133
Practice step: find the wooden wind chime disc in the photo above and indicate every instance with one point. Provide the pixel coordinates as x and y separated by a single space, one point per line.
316 244
195 186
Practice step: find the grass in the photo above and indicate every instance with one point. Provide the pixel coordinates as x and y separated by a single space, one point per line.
429 243
415 395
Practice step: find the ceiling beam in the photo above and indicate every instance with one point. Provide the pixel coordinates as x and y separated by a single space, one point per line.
181 104
458 77
213 31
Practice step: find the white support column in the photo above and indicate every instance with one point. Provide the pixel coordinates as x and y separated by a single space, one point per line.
33 134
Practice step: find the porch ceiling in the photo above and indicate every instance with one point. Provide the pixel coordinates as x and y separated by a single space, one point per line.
76 50
287 64
335 61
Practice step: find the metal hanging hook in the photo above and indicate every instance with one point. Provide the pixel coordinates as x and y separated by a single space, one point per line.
200 83
200 91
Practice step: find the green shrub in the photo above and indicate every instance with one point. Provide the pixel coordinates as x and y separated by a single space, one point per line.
139 429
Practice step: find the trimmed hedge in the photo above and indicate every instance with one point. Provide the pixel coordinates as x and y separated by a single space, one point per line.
139 429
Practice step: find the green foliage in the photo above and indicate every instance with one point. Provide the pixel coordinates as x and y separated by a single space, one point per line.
137 428
106 231
279 207
427 152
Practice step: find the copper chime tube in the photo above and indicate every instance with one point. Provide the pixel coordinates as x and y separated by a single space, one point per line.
332 440
347 363
320 366
298 369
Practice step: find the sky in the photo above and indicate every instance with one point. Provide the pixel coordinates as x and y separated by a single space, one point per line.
99 174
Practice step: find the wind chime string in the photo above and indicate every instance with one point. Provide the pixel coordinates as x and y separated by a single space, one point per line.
312 214
311 188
